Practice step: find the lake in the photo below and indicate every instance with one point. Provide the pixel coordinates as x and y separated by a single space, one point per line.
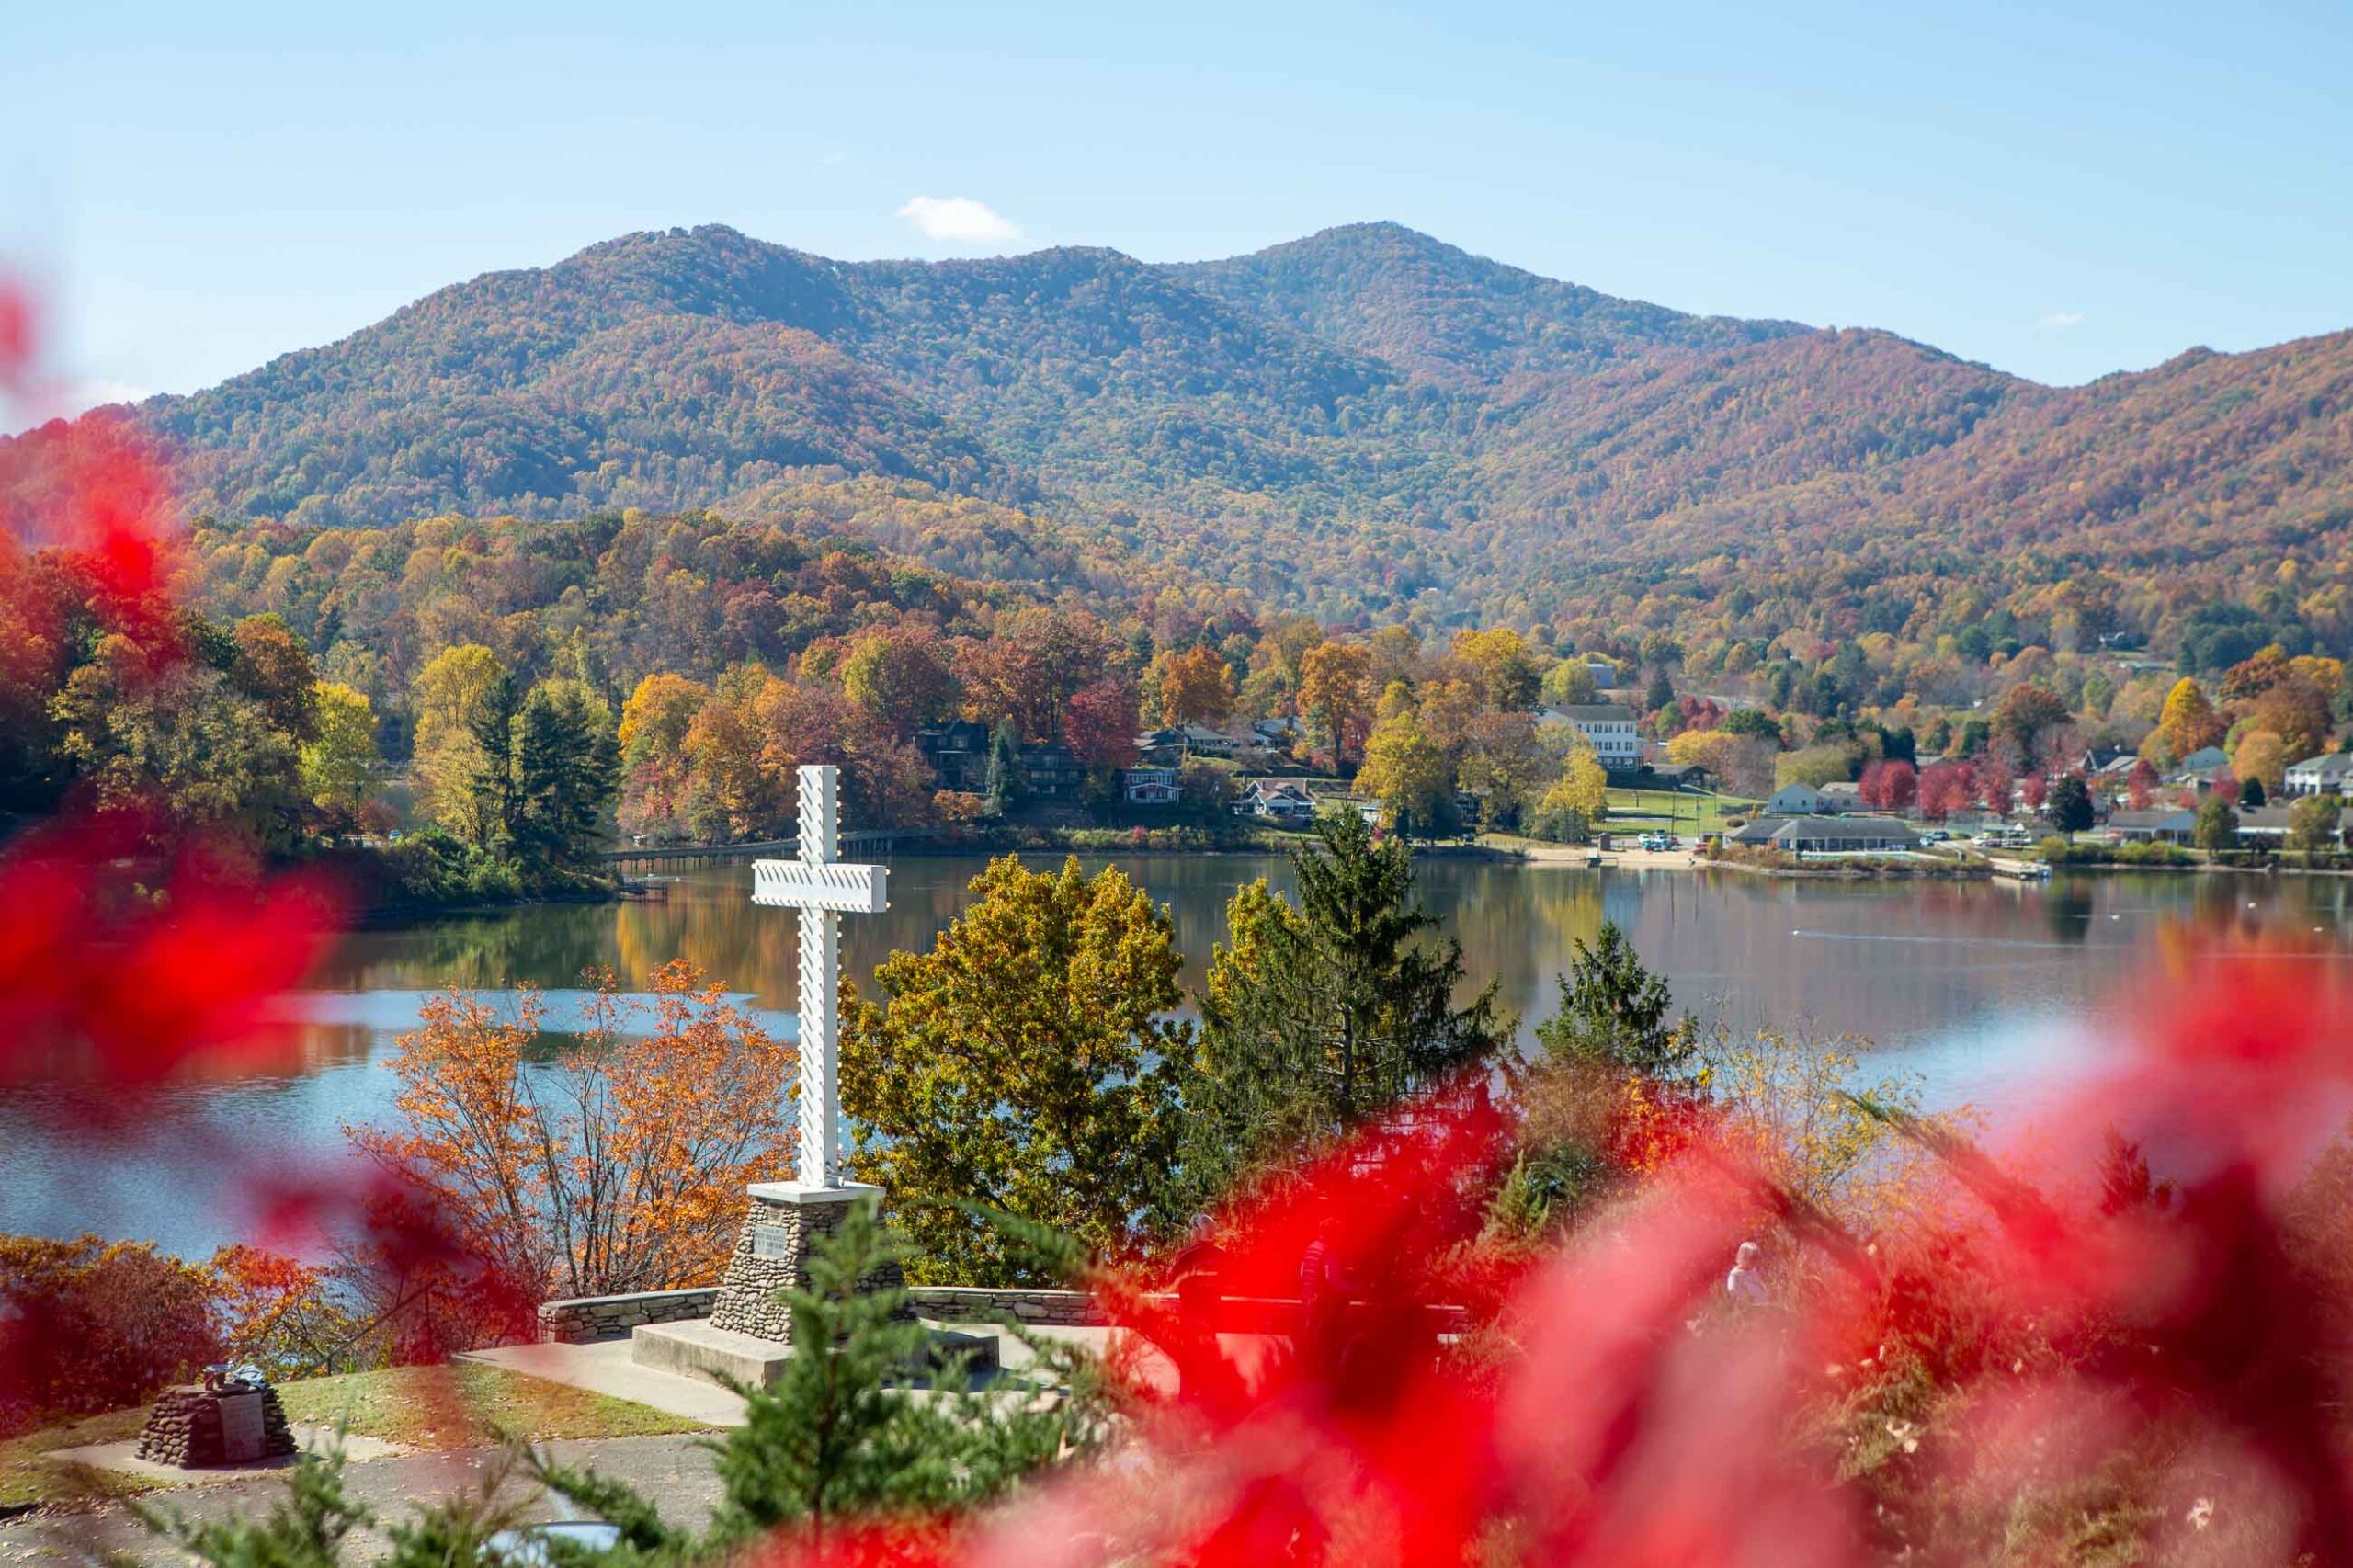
1983 990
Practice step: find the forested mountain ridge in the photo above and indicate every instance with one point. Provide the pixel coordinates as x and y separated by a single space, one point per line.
1364 424
1433 310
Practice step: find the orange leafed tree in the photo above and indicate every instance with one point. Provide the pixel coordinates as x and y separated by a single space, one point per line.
614 1163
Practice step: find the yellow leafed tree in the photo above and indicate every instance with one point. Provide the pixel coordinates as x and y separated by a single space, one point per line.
618 1164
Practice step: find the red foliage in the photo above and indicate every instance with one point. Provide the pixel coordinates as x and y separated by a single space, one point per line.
1890 785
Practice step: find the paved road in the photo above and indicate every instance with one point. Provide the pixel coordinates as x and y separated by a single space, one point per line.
672 1470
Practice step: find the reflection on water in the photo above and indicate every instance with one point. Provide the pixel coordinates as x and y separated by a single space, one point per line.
1978 987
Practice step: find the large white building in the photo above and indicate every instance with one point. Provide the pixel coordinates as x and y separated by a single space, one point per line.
2330 775
1607 727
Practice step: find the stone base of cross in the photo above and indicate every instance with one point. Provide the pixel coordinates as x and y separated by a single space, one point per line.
786 1217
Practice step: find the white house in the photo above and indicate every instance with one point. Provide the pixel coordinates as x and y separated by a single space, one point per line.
1275 800
1794 800
2329 775
1607 727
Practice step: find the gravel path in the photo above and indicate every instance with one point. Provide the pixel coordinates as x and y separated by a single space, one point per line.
672 1472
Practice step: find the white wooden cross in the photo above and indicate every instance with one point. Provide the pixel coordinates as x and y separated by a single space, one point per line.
820 888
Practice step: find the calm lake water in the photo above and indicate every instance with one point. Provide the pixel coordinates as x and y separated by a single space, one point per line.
1983 990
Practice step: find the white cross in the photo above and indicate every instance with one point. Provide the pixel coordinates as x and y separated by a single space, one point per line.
820 889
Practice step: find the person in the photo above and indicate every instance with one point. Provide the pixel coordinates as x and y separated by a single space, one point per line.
1744 1284
1323 1285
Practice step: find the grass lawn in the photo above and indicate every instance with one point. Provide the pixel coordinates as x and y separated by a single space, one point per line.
418 1407
1687 811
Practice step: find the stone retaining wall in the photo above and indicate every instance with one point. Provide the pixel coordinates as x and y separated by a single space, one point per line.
588 1318
584 1319
960 1303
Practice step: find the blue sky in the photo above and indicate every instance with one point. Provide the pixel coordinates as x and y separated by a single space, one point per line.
2058 190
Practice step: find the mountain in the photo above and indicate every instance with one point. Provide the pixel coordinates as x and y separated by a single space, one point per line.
1365 423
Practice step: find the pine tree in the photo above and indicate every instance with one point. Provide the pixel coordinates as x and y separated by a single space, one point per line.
567 768
1320 1014
1005 784
1614 1010
2070 805
496 798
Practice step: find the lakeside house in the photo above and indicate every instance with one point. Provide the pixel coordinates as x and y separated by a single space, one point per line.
2162 825
1050 771
1794 800
2331 774
1150 787
1275 734
2109 762
1607 727
958 754
2266 826
1828 835
1175 742
1275 800
2199 769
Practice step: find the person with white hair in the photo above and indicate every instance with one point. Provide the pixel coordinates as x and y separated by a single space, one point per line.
1744 1284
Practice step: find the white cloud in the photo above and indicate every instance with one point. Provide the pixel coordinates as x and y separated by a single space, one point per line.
959 220
2059 320
40 403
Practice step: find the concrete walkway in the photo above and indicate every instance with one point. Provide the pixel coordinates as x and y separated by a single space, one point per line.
674 1473
606 1368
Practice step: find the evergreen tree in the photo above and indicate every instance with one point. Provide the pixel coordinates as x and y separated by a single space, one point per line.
1660 693
1318 1014
566 770
2070 805
495 798
1614 1010
1007 785
2251 791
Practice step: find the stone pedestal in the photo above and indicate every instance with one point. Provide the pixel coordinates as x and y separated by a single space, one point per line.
772 1254
196 1427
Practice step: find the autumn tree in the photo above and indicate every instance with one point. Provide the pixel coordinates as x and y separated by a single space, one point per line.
899 678
1505 765
446 702
178 743
656 769
2262 755
1568 683
1334 692
1100 728
618 1164
1027 670
1582 787
274 667
1196 688
1318 1014
338 761
1025 1063
1509 675
2188 722
1406 772
2216 826
2025 712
